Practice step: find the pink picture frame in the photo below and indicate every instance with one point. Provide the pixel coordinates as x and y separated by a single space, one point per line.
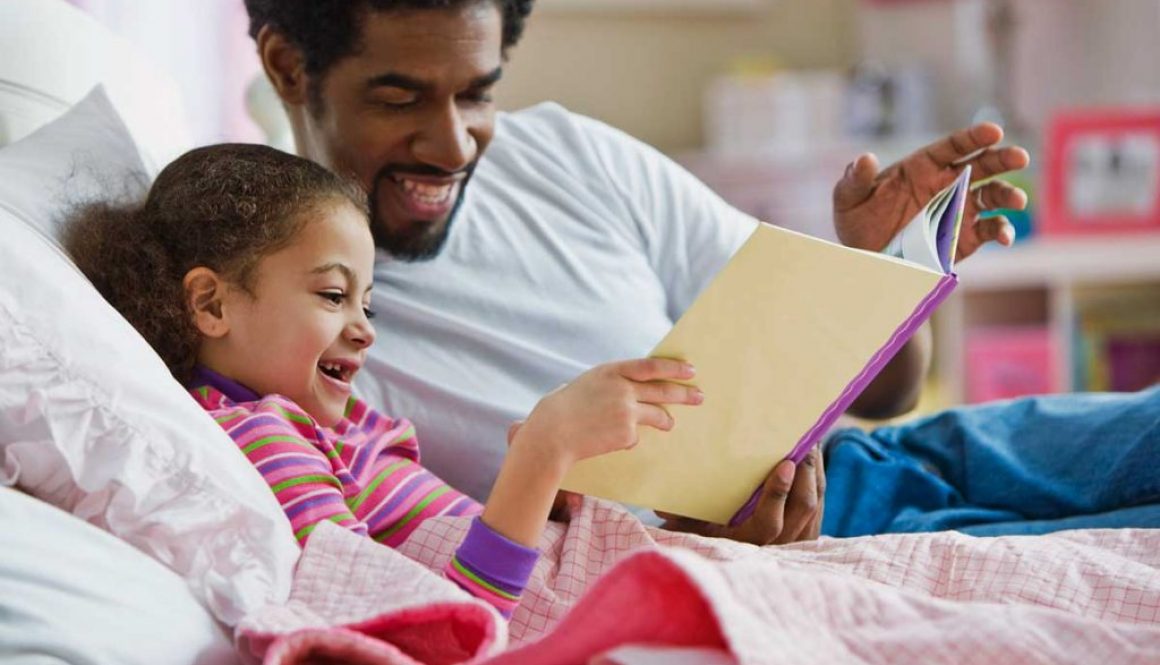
1102 172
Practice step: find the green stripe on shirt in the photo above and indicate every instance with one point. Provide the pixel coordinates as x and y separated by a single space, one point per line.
317 478
276 438
383 475
439 491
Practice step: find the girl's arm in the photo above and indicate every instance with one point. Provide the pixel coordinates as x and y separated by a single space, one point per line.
597 413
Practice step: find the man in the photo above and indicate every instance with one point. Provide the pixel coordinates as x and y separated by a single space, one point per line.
569 244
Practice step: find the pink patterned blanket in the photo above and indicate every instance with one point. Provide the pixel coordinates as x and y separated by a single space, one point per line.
610 590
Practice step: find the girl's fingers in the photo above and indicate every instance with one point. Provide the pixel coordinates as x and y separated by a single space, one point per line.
651 415
655 369
665 392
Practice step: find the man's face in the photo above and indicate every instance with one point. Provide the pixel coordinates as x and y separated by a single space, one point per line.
409 115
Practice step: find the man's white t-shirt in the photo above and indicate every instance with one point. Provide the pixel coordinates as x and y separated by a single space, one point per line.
575 245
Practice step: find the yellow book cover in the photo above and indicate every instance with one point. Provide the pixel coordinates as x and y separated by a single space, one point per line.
784 338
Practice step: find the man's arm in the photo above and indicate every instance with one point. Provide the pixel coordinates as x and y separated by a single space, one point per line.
897 387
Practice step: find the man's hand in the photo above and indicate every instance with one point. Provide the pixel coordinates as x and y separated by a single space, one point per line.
789 509
871 206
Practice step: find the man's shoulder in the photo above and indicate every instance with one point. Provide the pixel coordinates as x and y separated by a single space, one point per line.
551 124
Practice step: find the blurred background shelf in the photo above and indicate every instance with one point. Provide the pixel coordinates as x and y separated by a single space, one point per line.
1049 315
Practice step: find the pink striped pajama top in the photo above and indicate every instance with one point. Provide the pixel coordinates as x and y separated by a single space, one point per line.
363 474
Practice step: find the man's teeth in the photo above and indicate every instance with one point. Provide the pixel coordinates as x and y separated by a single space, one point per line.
427 193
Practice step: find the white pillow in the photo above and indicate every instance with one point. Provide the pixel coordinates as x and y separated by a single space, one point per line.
90 418
71 593
85 154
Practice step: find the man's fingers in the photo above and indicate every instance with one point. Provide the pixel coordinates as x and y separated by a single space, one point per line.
802 501
857 183
997 161
963 143
768 518
985 229
997 228
655 369
999 195
814 531
665 392
820 475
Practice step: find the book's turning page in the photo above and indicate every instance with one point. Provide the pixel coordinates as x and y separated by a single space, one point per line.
784 338
932 236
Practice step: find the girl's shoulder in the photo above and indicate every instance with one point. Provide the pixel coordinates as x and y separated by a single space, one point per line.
270 411
274 410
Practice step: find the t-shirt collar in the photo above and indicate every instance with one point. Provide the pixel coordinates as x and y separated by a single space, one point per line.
204 376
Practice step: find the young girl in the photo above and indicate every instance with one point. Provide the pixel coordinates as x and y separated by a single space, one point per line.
249 271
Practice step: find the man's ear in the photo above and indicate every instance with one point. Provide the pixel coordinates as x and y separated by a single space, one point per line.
204 292
284 64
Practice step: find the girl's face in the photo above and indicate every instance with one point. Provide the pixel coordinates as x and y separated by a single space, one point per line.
303 330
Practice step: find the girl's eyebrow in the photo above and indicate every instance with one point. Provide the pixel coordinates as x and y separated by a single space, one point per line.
351 278
340 267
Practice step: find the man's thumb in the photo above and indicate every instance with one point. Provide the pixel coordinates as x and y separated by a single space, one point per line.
780 481
856 183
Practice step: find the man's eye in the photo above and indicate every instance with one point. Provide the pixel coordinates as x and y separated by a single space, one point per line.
397 102
335 297
477 96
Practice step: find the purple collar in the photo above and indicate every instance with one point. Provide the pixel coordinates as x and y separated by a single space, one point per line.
204 376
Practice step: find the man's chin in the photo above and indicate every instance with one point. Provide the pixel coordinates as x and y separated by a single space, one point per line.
421 242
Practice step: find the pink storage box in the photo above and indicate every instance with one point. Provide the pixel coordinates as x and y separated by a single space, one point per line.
1010 361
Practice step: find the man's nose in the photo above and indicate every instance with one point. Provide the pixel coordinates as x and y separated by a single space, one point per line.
446 141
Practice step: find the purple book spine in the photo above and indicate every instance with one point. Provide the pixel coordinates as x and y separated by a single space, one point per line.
904 332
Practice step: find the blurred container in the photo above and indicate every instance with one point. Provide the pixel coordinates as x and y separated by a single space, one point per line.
785 112
1010 361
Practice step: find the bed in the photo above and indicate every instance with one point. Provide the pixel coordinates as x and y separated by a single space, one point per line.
136 532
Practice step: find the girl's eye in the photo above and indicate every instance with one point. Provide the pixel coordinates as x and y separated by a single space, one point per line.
335 297
370 313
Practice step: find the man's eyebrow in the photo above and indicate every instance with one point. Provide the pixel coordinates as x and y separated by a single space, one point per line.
405 82
394 80
488 79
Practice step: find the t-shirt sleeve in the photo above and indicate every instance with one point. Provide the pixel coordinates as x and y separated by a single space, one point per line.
297 472
491 567
687 231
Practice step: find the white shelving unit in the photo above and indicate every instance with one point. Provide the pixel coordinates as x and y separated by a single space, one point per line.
1039 282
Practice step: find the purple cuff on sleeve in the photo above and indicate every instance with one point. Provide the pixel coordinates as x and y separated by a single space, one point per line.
503 563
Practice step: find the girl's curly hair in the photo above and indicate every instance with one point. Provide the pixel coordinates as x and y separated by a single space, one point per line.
224 207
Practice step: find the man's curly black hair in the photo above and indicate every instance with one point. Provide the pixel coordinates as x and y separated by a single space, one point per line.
329 30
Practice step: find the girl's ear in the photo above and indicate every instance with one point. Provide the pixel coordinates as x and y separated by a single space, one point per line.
284 65
204 291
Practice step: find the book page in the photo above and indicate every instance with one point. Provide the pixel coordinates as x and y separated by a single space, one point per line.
931 237
776 337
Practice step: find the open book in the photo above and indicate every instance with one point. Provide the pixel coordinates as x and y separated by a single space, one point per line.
784 338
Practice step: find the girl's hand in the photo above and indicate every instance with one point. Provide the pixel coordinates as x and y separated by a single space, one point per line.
600 411
597 413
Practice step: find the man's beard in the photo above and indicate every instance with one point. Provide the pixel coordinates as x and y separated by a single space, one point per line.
420 241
